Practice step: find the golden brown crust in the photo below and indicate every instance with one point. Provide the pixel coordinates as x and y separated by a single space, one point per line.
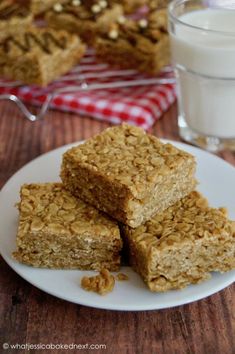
39 55
128 173
182 245
57 230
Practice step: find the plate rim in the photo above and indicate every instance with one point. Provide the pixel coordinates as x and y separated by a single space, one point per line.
120 307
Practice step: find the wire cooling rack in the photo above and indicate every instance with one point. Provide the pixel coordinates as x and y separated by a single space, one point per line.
87 76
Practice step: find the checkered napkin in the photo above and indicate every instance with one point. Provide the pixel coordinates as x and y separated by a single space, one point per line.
96 90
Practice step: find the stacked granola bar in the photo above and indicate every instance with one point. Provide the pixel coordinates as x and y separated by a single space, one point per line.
174 238
125 180
128 174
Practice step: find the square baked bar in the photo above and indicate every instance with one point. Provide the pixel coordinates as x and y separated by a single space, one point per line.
128 174
39 55
83 17
182 245
14 18
137 44
57 230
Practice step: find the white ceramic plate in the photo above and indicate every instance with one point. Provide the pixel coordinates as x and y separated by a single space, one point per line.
217 180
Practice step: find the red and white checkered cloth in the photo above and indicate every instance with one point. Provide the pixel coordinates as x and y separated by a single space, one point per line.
138 105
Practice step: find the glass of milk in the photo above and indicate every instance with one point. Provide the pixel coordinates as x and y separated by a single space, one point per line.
203 51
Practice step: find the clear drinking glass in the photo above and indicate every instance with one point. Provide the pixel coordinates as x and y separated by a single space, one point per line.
203 51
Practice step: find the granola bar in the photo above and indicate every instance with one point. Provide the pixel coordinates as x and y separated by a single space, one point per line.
128 174
138 44
39 55
57 230
83 17
182 245
14 18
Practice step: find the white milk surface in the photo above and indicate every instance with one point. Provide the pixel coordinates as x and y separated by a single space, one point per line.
208 104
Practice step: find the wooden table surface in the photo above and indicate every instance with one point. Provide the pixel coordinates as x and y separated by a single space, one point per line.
28 315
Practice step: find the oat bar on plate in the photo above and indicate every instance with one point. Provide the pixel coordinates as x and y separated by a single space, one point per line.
14 18
57 230
39 55
137 44
182 245
83 17
128 174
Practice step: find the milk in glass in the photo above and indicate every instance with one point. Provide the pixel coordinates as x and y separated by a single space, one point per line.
205 63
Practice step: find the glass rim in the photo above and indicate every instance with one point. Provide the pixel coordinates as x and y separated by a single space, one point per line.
173 4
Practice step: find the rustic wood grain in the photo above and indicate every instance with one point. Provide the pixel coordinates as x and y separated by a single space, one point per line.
27 315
